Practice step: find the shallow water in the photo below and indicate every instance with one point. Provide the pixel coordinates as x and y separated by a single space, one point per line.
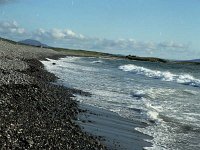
166 96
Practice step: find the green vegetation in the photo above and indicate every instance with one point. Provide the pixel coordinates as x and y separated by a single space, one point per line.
83 53
10 41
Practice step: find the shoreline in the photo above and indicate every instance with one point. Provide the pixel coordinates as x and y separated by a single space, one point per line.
41 115
34 112
112 130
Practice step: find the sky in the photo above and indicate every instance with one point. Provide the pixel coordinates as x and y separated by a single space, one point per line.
155 28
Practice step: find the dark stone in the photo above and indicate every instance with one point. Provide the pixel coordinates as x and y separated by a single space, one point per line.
150 59
40 115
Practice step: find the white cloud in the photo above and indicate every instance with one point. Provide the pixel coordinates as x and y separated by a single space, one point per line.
11 27
147 46
70 39
56 34
172 44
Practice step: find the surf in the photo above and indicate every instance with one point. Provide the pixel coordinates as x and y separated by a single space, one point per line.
185 79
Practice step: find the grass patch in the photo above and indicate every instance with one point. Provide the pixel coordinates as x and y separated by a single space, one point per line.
83 53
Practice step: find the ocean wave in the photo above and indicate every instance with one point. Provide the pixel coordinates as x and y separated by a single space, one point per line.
139 94
70 59
185 79
97 61
154 112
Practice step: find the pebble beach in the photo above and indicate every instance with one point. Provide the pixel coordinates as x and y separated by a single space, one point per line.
34 113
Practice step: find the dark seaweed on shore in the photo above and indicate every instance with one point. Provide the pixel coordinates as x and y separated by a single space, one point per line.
40 115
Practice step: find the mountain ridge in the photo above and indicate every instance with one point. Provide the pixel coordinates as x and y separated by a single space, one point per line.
33 42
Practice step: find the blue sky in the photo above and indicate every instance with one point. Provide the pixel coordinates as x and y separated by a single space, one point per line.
161 28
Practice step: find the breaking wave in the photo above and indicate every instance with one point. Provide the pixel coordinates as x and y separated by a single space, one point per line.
185 79
97 61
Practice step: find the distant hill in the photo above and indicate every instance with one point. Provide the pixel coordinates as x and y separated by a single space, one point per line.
33 43
192 61
195 60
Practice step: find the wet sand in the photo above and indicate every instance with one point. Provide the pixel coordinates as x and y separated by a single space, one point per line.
115 132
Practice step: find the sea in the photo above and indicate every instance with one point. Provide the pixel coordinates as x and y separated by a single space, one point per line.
166 96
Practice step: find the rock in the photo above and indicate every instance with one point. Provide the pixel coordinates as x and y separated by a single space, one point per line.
150 59
35 114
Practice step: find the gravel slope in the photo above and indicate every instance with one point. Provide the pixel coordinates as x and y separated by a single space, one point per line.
35 114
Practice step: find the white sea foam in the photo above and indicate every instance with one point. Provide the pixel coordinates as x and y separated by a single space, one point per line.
97 61
165 76
138 94
67 63
192 114
153 115
70 59
153 111
135 100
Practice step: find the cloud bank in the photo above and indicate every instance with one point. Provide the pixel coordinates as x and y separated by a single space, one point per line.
11 28
57 34
70 39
